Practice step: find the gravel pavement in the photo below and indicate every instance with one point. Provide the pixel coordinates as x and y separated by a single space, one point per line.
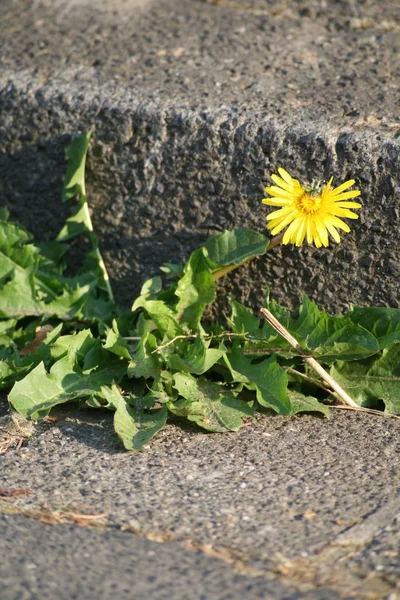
285 506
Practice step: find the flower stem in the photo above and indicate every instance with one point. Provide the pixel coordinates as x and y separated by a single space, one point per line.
225 270
275 241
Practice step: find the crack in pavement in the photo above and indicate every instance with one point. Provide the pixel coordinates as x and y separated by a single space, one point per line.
327 566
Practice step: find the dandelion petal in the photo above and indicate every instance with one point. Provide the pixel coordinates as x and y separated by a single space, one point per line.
309 214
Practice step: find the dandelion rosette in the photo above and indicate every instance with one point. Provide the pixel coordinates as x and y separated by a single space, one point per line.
309 213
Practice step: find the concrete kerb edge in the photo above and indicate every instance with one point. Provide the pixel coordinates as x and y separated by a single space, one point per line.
236 152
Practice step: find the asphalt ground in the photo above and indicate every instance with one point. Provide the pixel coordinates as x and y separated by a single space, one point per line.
286 506
67 561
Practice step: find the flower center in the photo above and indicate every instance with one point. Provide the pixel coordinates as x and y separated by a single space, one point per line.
308 203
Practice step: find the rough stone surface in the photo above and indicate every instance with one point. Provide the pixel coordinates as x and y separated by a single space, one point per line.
72 562
193 105
312 501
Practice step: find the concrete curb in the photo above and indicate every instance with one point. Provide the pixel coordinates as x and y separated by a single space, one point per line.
165 171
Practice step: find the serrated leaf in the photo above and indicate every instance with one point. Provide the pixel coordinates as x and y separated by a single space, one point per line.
235 247
157 397
137 423
151 286
302 403
75 177
32 285
97 358
280 312
77 345
8 332
41 390
162 315
52 251
330 337
8 375
18 268
193 358
243 320
16 250
150 290
235 375
74 225
15 367
208 404
373 379
116 344
195 290
17 296
382 322
80 221
260 337
145 362
269 379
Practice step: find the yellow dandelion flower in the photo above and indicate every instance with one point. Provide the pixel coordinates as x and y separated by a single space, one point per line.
309 213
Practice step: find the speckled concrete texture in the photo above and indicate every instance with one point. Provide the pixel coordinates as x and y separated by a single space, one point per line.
69 562
193 105
314 503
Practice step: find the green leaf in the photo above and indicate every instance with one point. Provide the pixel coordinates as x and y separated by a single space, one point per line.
172 270
32 285
16 367
8 332
137 423
243 320
80 221
162 315
260 337
330 337
16 249
269 379
151 286
52 251
302 403
108 397
235 375
280 312
382 322
8 374
41 390
192 358
145 362
208 404
74 225
19 260
158 396
195 290
116 344
17 296
235 247
75 177
376 378
77 345
150 290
